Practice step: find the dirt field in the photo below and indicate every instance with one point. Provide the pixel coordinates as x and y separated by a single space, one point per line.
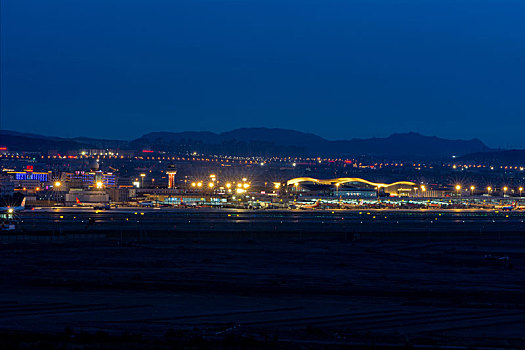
365 291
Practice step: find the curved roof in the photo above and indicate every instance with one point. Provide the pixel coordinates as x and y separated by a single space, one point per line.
342 180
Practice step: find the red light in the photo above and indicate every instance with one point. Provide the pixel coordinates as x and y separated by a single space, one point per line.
147 151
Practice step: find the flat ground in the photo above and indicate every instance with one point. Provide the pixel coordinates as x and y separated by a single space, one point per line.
264 279
257 291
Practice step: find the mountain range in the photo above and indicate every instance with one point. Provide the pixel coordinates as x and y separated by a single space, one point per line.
258 142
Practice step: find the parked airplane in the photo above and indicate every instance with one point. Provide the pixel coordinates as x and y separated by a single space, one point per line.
306 206
507 207
147 204
96 206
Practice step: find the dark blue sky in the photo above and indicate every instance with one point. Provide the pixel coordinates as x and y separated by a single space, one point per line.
340 69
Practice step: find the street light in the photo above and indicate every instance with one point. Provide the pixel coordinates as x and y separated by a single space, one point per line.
337 189
458 188
489 189
521 190
58 184
505 191
142 180
210 185
472 188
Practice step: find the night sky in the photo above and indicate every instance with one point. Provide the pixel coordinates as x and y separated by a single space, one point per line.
340 69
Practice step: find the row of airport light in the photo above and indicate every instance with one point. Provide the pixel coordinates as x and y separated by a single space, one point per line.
240 187
490 189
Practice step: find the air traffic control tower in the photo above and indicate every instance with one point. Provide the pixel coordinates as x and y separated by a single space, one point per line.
171 172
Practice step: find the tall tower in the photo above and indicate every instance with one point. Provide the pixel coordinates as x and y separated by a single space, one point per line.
171 175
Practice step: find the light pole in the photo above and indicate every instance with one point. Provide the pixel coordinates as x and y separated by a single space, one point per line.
458 188
472 188
56 189
521 190
505 191
337 190
142 176
489 189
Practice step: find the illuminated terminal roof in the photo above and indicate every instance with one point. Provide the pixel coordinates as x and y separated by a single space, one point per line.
343 180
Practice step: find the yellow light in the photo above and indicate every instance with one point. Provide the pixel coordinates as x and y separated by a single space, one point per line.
472 188
521 188
239 185
37 189
489 188
505 188
423 188
193 184
210 185
212 176
244 179
199 184
246 185
142 175
228 185
240 190
10 210
99 184
276 185
458 187
58 184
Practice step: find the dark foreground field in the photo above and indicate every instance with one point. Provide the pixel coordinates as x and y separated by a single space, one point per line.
367 291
